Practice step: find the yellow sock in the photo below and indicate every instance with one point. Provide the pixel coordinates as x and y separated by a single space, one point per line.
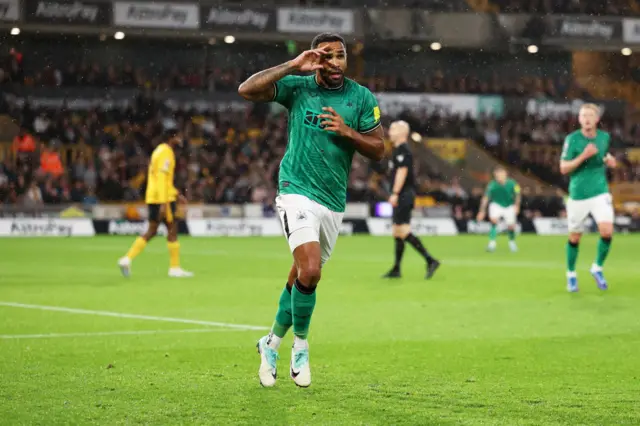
174 254
136 248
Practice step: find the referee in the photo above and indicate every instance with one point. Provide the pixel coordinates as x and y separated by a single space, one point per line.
402 199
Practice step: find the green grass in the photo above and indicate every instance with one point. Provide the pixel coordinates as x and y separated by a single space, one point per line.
493 339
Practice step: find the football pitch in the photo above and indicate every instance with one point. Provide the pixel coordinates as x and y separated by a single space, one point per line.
492 339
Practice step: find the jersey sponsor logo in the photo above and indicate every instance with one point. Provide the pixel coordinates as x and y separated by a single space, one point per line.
312 119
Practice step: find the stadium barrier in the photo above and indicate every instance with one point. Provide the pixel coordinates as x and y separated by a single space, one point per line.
271 227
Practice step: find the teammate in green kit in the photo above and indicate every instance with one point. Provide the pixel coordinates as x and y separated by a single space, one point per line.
504 194
585 158
330 118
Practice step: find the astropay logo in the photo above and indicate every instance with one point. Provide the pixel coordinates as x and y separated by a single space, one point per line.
585 28
249 19
9 10
156 15
292 20
72 12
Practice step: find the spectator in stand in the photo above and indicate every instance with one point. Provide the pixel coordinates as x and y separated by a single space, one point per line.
24 145
50 162
23 142
33 197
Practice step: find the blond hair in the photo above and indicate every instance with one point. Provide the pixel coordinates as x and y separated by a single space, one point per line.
593 107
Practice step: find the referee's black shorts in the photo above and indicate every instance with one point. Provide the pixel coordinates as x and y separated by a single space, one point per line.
402 213
155 216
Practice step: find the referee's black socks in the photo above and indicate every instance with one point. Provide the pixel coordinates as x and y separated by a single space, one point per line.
417 244
399 253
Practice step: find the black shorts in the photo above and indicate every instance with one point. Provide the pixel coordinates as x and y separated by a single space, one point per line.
402 213
154 212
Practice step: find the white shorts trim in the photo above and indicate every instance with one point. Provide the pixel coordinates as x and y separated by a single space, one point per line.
599 207
304 221
508 214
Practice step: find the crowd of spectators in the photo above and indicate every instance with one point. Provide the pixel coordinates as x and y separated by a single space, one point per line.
229 157
439 82
567 7
233 157
216 79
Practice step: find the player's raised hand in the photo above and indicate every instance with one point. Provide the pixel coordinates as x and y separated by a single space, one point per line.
333 122
590 150
309 60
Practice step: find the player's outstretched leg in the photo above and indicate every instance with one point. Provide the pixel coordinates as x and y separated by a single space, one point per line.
268 345
604 245
136 248
512 239
572 258
303 301
493 233
432 263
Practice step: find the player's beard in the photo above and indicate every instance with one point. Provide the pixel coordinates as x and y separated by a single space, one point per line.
332 78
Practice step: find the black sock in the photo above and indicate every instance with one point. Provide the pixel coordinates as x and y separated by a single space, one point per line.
399 253
415 242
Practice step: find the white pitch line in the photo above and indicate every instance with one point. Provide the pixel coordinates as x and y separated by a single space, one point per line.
131 316
109 333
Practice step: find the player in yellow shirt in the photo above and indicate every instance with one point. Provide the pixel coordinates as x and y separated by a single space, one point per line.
161 199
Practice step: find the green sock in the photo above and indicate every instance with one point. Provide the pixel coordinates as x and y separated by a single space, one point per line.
284 318
603 250
512 234
493 233
572 256
302 305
